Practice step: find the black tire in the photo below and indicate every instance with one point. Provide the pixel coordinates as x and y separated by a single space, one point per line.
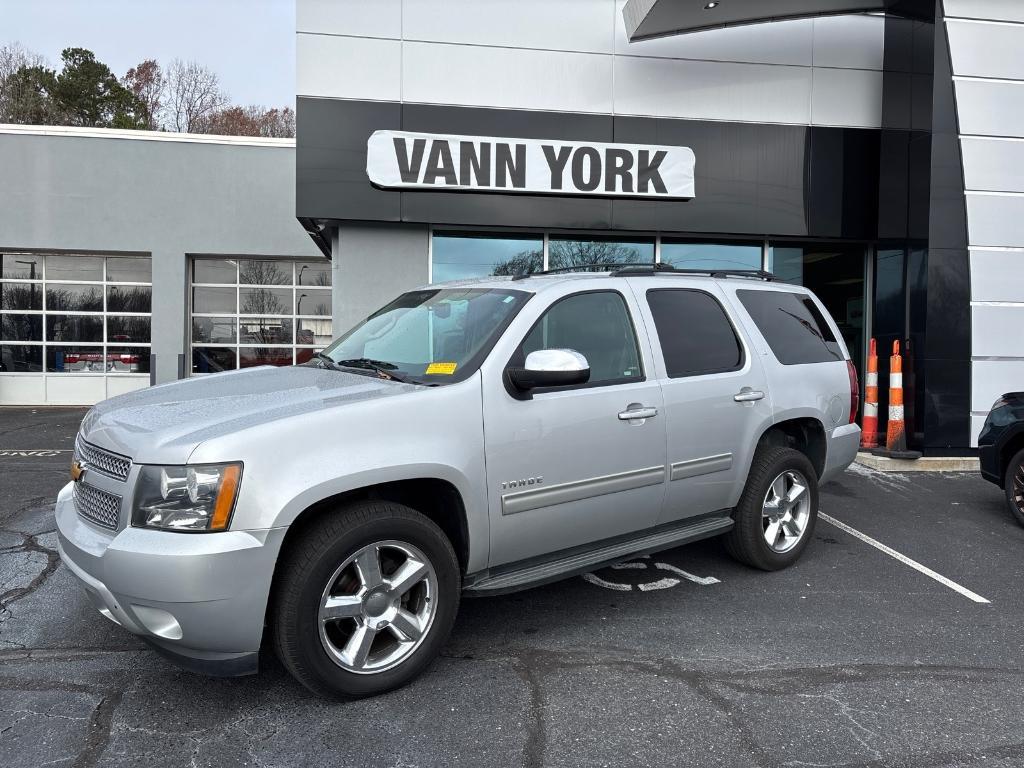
1015 496
746 541
310 562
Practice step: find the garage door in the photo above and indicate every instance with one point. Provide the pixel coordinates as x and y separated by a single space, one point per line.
74 329
248 312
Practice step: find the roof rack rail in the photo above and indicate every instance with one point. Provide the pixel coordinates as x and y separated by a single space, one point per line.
668 269
598 266
618 269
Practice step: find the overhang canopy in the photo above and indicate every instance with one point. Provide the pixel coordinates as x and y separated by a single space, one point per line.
646 19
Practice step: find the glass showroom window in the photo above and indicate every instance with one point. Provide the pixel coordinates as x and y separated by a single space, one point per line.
258 312
566 252
683 254
63 313
460 256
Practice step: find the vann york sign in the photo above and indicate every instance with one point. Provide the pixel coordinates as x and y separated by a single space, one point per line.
404 160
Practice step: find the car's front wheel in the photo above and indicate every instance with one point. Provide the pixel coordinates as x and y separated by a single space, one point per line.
1015 486
365 600
777 511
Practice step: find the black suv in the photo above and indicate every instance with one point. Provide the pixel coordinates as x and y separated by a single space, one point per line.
1001 449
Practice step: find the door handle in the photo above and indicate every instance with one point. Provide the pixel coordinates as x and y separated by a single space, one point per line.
632 414
747 395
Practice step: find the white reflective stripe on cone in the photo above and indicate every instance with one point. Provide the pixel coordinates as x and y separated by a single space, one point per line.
895 413
870 409
895 381
871 380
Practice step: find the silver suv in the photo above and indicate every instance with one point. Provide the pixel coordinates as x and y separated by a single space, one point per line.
469 438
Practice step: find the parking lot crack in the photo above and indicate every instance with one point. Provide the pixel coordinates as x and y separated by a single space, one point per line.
536 740
31 544
99 729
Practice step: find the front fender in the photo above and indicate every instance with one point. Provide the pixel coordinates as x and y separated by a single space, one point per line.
291 464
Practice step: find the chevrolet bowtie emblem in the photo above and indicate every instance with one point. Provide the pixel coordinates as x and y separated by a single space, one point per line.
77 471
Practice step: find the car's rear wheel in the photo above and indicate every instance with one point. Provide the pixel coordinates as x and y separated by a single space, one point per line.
365 600
1015 486
777 512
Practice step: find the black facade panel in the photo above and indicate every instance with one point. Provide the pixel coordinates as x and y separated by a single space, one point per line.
749 179
330 160
782 180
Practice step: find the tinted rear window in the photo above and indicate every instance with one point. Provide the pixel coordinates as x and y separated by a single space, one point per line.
695 334
792 325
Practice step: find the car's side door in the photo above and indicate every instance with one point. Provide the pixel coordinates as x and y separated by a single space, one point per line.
717 401
567 466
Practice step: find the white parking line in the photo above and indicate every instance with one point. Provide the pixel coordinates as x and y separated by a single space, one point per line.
904 559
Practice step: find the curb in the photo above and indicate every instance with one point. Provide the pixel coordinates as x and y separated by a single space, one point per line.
924 464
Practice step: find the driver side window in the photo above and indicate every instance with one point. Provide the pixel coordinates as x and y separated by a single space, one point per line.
598 326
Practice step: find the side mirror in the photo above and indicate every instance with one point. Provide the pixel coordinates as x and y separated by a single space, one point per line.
551 368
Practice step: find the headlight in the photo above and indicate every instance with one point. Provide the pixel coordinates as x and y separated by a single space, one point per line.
198 498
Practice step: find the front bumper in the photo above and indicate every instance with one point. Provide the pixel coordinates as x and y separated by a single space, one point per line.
200 599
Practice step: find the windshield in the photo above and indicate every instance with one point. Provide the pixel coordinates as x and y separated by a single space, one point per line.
434 335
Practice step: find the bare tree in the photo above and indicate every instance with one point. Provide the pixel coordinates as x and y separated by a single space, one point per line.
193 94
580 253
15 61
253 120
148 82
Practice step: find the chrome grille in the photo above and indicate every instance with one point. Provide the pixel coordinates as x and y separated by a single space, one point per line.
104 462
98 506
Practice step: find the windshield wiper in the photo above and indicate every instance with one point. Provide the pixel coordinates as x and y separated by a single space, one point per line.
381 368
325 359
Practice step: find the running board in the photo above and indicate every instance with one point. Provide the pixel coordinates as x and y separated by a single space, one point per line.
576 562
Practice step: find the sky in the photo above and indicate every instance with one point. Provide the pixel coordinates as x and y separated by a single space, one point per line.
250 44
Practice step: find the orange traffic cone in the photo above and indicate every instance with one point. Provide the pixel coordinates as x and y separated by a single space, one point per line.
895 434
869 428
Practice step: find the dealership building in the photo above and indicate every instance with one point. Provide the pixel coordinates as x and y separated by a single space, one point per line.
871 150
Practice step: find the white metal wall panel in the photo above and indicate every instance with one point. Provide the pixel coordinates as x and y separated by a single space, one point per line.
990 108
480 76
853 42
997 276
555 25
783 42
1005 10
348 67
992 330
358 18
995 220
23 389
851 97
559 54
993 378
984 49
994 165
712 90
68 389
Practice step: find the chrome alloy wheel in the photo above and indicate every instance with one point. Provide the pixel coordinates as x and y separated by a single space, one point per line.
786 511
378 607
1017 493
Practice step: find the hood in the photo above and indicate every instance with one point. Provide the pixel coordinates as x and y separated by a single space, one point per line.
164 424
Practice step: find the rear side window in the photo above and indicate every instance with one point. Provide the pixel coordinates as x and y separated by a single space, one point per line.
695 333
792 325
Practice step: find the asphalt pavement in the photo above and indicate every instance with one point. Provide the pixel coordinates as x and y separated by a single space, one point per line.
874 650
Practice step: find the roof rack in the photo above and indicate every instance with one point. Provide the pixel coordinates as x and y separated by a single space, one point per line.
618 269
601 267
633 270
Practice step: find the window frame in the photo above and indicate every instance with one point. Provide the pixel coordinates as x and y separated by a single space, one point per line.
821 319
518 358
238 317
725 313
45 280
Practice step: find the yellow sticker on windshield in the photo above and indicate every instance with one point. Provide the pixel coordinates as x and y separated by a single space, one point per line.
446 369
